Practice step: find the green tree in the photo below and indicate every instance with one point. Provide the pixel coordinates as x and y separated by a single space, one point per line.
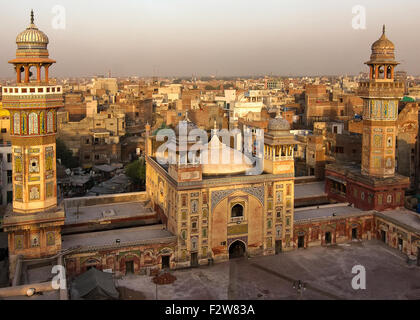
136 171
66 155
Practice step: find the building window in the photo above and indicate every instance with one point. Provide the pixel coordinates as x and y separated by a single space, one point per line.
9 157
362 195
9 197
237 211
204 232
9 176
3 130
380 199
389 198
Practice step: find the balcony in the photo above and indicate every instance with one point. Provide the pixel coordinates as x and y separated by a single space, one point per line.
31 90
380 89
237 219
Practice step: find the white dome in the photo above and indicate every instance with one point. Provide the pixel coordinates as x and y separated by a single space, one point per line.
219 159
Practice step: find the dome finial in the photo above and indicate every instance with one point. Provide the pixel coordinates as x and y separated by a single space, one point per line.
383 30
32 16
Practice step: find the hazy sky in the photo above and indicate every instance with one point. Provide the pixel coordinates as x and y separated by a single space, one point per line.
213 37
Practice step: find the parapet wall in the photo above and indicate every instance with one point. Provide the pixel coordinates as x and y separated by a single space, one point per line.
105 199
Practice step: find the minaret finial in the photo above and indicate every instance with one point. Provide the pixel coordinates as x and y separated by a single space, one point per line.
32 16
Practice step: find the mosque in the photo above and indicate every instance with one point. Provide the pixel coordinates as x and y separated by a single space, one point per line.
195 213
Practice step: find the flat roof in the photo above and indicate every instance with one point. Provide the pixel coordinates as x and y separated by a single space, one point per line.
404 217
127 236
326 212
113 211
310 189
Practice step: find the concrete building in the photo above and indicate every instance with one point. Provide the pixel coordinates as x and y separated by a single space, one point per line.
6 174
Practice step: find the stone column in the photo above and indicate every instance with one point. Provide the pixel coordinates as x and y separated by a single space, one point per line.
26 74
38 73
46 73
18 74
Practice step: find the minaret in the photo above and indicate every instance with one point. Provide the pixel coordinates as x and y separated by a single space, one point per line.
279 146
376 185
34 224
381 94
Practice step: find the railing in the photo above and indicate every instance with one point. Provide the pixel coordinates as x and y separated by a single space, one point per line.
31 90
281 158
236 219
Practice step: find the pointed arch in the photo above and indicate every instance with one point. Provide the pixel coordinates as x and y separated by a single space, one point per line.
16 123
33 123
50 122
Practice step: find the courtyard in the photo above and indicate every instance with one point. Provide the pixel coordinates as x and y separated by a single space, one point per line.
326 272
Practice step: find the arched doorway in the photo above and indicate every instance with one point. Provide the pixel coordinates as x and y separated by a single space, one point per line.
237 249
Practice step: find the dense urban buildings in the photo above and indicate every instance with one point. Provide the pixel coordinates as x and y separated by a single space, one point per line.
89 183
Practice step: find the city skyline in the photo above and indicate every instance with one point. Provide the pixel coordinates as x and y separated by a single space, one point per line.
181 38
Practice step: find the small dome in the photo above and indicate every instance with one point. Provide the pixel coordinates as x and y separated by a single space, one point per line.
383 42
32 37
278 124
383 48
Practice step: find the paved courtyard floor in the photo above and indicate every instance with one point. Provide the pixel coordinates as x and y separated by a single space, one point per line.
327 272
